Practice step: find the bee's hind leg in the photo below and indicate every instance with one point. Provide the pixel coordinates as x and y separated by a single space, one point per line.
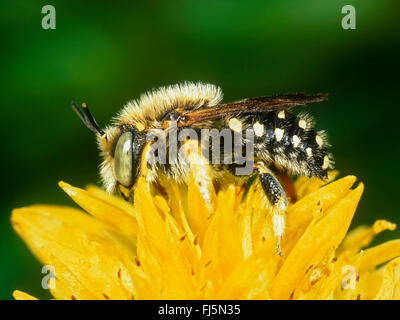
277 197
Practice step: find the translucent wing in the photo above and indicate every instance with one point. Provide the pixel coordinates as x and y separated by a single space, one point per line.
247 106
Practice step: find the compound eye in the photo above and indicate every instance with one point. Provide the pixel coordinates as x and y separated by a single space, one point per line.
123 159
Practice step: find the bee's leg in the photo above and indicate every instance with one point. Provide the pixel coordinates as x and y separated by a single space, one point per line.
277 197
124 192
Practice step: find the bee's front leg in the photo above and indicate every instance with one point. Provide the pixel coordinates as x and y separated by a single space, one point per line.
277 197
124 192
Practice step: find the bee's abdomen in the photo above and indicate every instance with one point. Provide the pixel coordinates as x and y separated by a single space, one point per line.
290 141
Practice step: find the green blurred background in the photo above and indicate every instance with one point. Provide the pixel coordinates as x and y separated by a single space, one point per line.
108 53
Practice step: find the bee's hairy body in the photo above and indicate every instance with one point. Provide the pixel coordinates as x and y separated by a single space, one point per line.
281 139
278 141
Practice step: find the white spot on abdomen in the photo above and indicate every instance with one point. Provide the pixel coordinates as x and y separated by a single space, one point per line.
279 134
303 124
296 141
258 129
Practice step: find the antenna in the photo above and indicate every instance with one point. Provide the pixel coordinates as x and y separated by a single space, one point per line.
87 118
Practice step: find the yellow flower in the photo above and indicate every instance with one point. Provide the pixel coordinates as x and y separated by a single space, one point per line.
198 242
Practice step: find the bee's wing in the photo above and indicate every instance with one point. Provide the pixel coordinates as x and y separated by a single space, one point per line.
247 106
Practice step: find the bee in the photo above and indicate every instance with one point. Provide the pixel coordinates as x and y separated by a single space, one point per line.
283 141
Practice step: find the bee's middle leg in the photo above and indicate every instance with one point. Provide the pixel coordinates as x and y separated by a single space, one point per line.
277 197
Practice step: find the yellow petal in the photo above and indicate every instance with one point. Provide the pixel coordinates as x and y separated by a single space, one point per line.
221 242
304 185
363 235
320 236
379 254
107 209
161 253
116 201
19 295
386 290
396 293
87 258
177 201
244 282
302 212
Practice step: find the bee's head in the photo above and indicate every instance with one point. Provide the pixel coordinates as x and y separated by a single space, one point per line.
121 148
